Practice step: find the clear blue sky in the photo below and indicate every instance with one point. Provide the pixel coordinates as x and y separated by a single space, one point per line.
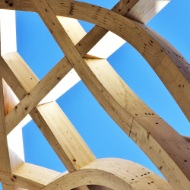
100 132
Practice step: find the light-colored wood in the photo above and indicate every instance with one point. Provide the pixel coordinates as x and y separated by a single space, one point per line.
168 150
127 110
21 70
37 93
140 10
145 10
73 28
4 156
60 68
11 187
155 50
70 79
8 31
37 174
100 82
62 136
12 159
113 173
12 149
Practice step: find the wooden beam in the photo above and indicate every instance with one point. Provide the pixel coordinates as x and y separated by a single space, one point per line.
139 10
13 149
154 136
98 81
8 31
5 165
169 65
58 69
62 136
37 93
145 10
142 11
28 176
34 175
13 144
112 173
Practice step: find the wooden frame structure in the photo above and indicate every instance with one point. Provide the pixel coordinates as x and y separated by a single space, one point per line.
85 54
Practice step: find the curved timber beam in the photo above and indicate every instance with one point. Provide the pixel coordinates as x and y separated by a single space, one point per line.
149 131
167 62
112 173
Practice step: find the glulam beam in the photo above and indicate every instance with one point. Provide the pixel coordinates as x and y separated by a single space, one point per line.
104 43
111 173
167 62
37 93
62 136
117 99
13 144
153 135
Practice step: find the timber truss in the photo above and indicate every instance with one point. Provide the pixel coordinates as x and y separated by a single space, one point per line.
85 54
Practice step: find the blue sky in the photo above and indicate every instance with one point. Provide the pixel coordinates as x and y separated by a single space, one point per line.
101 133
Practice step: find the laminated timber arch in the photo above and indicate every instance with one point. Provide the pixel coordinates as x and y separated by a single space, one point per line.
153 135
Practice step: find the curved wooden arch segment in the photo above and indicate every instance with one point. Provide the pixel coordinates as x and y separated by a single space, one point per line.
167 62
166 148
111 173
117 99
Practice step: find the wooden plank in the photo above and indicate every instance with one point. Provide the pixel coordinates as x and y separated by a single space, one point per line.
13 142
62 136
28 176
153 48
107 99
59 68
22 71
114 174
139 10
146 128
4 156
39 175
36 95
73 28
97 51
70 79
145 10
8 187
8 31
11 187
